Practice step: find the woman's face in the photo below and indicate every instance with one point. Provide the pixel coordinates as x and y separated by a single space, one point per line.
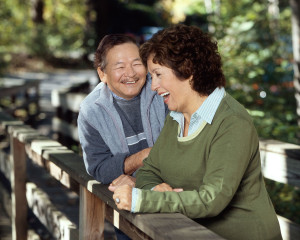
176 92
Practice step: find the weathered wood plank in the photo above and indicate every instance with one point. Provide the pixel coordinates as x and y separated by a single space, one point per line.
19 86
67 100
54 220
278 162
65 128
5 200
92 216
73 164
18 195
288 149
5 164
289 229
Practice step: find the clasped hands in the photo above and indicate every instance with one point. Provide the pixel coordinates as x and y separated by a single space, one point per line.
122 188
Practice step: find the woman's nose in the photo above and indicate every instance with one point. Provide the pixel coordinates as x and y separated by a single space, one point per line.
154 84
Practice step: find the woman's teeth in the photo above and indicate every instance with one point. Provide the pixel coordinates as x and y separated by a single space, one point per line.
165 94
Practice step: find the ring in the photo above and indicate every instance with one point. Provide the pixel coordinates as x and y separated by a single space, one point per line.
117 200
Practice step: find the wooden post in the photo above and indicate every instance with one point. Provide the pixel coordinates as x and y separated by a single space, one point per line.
18 185
91 216
37 93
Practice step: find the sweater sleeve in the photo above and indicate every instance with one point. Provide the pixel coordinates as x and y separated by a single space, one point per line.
148 176
98 159
232 148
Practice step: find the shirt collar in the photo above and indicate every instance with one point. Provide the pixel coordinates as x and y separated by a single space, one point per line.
207 110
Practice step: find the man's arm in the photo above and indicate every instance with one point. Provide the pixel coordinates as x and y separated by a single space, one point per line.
98 159
135 161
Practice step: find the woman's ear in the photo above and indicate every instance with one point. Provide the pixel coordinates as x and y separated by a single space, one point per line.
191 81
101 75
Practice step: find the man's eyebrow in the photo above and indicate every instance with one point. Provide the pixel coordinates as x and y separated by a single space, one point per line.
117 63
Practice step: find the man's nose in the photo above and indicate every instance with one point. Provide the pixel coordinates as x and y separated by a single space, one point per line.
129 71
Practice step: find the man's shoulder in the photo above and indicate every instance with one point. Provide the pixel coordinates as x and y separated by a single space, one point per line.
93 95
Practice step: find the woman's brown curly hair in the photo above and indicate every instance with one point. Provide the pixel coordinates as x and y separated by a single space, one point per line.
188 51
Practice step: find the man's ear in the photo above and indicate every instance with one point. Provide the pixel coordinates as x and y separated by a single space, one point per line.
101 75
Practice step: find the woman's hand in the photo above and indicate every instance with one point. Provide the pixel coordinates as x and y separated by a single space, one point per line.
164 187
122 197
122 180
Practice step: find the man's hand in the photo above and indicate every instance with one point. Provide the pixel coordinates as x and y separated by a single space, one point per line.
122 180
135 161
164 187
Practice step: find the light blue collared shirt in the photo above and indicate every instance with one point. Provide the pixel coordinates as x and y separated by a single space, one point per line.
205 113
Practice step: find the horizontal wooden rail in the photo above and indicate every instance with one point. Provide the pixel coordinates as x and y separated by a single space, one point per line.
23 95
96 203
280 162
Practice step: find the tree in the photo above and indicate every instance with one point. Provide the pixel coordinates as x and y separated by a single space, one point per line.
295 6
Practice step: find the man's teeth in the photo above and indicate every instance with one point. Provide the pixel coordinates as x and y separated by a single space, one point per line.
131 82
165 94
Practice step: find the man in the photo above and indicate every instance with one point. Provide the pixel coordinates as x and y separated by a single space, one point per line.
120 120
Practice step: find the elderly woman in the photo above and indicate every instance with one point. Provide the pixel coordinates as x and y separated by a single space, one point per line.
205 163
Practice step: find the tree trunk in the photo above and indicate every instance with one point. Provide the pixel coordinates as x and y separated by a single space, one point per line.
295 5
37 11
273 10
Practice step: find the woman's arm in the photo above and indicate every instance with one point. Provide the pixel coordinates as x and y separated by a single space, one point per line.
234 146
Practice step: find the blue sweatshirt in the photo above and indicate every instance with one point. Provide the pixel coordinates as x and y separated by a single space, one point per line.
101 132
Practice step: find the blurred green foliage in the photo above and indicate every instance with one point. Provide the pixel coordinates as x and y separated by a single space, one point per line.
257 62
286 199
60 34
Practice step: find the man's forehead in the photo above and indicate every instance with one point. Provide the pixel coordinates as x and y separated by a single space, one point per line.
123 62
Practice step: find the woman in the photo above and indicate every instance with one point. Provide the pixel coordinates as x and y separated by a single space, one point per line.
205 163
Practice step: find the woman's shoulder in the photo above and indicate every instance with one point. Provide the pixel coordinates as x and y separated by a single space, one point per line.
231 108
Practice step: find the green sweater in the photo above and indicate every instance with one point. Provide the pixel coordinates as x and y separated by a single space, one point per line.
219 169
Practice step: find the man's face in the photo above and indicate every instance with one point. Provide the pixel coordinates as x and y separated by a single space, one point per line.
124 73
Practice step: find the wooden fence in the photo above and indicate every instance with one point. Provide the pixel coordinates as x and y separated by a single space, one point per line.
280 162
20 97
95 200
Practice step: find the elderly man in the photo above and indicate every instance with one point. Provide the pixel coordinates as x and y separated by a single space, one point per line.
120 120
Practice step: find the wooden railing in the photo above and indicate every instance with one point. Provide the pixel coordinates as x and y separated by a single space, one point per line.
20 94
66 103
95 200
280 161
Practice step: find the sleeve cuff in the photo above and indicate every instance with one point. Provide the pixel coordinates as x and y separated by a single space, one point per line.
136 200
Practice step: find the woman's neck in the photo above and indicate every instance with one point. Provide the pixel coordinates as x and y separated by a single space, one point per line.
194 105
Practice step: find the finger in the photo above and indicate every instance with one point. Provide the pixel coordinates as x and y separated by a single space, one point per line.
111 188
177 189
114 182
